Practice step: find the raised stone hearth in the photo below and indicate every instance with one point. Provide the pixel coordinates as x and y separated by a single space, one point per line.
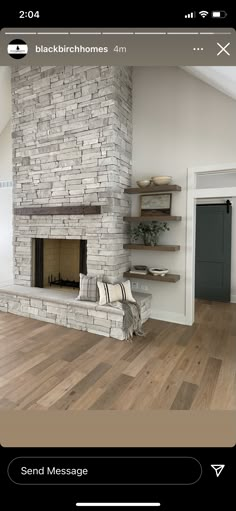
61 308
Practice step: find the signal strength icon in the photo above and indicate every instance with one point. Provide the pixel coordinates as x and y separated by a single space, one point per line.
190 15
203 14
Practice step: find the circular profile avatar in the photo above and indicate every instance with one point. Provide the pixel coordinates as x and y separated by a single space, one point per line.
17 49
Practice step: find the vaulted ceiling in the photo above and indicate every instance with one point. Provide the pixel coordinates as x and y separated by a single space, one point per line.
222 78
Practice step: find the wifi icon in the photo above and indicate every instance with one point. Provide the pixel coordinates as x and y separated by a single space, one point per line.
203 14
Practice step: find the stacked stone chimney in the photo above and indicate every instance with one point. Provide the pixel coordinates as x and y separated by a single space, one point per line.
72 146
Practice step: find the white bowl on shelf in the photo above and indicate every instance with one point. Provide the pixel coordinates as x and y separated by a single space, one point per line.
161 180
158 271
143 183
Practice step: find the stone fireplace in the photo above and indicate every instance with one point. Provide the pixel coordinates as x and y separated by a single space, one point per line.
72 145
59 262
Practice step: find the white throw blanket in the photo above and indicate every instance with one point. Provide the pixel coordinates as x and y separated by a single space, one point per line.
132 324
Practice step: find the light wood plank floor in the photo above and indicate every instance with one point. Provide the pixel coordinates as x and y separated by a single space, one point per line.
44 366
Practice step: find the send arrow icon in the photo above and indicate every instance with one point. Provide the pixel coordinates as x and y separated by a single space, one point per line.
218 469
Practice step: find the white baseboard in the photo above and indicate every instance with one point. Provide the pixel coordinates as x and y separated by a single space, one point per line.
233 299
172 317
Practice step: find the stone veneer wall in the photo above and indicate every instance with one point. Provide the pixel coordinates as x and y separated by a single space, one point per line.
71 146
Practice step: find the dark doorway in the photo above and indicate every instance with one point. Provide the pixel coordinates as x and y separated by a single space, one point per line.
213 251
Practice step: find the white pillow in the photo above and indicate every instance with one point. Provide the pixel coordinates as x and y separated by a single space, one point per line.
109 293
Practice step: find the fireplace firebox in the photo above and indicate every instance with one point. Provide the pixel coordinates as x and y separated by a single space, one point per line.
59 262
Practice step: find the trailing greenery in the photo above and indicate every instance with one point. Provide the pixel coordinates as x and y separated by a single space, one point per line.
149 232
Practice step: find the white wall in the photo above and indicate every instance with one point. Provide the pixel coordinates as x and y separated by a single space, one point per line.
6 249
178 122
6 154
5 96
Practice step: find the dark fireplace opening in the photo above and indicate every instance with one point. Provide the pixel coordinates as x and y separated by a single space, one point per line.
59 262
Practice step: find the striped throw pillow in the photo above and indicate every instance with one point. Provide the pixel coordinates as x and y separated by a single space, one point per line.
109 293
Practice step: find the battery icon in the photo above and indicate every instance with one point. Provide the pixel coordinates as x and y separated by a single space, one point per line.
218 14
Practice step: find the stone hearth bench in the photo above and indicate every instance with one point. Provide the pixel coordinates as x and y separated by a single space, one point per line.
54 306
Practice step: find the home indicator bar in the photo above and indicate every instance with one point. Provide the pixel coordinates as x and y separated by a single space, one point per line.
118 504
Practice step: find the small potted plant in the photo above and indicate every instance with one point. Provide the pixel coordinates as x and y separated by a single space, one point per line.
149 232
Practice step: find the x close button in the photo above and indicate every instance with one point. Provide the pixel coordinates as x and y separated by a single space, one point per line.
223 49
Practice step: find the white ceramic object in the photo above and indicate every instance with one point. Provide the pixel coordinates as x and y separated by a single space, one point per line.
158 271
161 180
143 183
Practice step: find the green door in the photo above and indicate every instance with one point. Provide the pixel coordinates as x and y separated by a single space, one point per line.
213 252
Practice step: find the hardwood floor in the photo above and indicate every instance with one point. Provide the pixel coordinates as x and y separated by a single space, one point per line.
44 366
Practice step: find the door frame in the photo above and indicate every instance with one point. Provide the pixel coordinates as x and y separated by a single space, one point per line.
192 194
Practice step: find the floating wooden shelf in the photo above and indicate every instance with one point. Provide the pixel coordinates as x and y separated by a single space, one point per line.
153 189
161 248
160 218
169 277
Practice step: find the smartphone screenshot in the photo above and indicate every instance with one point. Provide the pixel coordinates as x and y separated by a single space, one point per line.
118 259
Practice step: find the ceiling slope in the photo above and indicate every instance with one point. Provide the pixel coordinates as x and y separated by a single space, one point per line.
222 78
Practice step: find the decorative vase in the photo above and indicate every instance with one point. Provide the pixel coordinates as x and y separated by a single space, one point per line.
149 238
